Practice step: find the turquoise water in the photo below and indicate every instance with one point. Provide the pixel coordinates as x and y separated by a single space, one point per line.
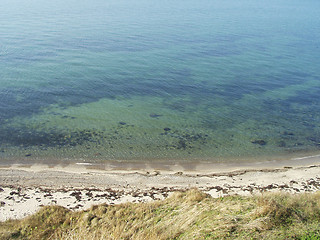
179 80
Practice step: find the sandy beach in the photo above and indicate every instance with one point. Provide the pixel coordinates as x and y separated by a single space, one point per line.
25 189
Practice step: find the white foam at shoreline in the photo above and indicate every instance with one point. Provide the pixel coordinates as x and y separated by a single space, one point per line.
306 157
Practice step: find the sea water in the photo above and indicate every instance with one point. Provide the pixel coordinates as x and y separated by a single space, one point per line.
148 80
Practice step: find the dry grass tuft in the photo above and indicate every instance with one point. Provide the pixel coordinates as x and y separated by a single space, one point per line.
285 209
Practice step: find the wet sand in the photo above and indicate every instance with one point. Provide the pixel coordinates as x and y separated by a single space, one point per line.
24 189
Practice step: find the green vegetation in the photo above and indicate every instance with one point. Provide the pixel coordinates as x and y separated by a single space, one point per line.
184 215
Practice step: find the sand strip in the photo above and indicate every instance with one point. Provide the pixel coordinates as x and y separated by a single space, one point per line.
24 190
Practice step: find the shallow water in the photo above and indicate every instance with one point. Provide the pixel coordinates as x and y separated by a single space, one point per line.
216 81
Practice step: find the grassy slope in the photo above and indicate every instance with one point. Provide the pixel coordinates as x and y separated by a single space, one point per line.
190 215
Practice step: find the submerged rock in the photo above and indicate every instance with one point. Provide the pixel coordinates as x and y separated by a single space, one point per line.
261 142
154 115
282 144
182 144
288 133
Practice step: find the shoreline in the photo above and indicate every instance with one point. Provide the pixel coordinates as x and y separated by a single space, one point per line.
199 166
80 186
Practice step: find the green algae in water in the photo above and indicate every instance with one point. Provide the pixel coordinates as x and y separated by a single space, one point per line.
219 81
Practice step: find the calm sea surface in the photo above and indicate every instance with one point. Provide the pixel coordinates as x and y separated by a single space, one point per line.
176 80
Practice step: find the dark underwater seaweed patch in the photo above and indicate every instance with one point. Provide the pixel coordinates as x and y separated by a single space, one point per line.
185 140
310 98
260 142
32 101
154 115
176 83
300 110
26 137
